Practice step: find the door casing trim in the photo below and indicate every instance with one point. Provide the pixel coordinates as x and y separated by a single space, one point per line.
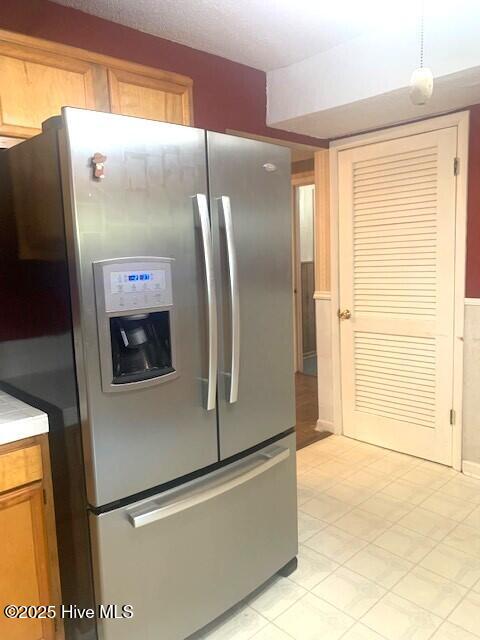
460 120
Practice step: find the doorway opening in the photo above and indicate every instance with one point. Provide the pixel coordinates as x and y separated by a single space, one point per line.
306 386
305 279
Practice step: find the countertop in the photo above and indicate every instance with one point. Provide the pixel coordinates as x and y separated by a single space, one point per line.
19 420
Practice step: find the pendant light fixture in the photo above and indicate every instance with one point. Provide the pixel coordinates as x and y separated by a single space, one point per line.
421 82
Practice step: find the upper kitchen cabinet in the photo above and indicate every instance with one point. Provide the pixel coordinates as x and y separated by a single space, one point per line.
157 96
36 83
38 78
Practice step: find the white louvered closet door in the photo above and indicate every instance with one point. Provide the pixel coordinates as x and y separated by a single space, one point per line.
397 254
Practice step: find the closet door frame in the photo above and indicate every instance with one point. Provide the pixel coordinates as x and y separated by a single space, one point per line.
459 120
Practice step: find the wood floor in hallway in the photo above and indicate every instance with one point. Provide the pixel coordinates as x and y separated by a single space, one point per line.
307 410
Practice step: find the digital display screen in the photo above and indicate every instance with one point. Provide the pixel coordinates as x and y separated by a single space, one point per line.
139 276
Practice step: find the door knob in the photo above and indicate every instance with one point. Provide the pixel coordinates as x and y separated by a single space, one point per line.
345 314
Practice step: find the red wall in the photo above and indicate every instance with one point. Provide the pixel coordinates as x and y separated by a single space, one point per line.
227 95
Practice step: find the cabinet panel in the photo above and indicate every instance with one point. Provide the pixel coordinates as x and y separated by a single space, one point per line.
20 467
133 94
22 523
36 84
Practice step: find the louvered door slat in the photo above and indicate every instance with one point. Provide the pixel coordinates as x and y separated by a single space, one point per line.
397 217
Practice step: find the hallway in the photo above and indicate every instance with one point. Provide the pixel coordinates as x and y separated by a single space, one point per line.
307 410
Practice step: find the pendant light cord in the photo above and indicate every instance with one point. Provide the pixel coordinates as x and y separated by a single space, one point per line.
422 25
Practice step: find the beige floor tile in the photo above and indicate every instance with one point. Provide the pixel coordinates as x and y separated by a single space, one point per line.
369 479
427 523
392 466
337 469
430 591
463 488
453 564
464 538
335 544
379 565
316 480
473 520
365 446
360 632
359 457
326 508
439 469
335 451
312 618
309 456
449 631
308 526
304 494
363 457
387 507
349 493
363 524
276 597
243 624
406 491
405 543
425 478
271 632
312 568
467 614
350 592
398 619
454 508
338 443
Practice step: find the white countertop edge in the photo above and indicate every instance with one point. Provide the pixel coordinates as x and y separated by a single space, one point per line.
24 428
19 420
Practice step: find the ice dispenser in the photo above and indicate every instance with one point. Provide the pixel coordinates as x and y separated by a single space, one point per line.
135 322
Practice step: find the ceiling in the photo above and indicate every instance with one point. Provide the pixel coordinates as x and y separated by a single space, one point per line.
264 34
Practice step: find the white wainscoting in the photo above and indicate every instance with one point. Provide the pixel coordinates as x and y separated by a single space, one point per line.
324 360
471 387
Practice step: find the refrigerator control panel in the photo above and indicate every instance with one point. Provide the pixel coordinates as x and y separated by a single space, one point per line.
137 285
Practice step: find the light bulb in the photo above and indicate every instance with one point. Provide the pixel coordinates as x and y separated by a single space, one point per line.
421 85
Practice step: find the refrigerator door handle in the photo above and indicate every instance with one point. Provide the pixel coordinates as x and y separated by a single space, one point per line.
208 489
225 206
202 207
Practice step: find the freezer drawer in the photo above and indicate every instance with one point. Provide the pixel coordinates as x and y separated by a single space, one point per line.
183 558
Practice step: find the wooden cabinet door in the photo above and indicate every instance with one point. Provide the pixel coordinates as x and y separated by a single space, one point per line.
24 562
35 84
166 97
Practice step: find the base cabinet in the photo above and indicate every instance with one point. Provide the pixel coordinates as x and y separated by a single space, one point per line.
28 576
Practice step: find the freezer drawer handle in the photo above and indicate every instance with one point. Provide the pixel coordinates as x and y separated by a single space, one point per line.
226 208
202 207
206 490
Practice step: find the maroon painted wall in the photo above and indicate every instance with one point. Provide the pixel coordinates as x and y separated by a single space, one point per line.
226 95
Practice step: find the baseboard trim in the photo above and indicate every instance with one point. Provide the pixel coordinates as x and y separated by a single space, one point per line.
471 469
324 425
472 302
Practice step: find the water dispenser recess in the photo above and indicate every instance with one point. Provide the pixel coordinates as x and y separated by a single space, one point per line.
141 346
135 317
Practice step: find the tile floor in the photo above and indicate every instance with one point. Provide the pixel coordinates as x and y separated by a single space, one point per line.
389 550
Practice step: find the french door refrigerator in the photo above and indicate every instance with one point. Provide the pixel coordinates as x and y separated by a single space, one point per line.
178 253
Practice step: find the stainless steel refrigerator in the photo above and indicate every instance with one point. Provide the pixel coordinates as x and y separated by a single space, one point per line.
176 244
